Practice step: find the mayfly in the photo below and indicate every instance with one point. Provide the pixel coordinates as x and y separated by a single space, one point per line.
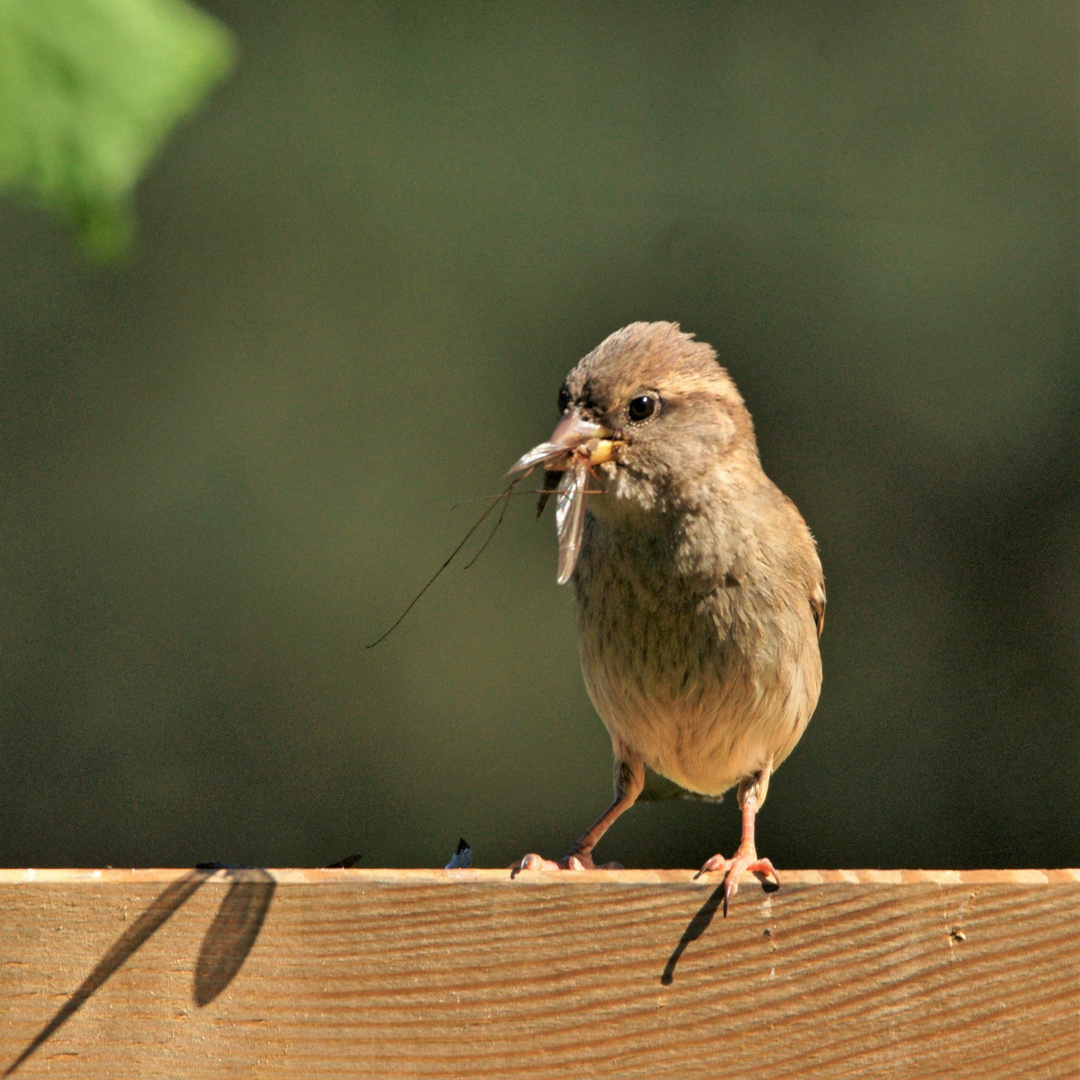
570 516
576 445
503 498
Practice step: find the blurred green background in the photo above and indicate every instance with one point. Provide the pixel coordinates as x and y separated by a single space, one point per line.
359 277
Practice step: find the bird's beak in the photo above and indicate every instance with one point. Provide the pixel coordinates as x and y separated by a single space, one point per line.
575 434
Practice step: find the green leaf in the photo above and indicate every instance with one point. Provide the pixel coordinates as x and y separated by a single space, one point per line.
89 91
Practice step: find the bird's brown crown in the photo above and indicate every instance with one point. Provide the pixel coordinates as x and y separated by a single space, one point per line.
648 354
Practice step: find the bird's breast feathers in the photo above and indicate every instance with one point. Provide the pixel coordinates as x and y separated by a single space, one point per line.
708 674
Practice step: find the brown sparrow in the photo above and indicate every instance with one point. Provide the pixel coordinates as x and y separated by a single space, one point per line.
700 595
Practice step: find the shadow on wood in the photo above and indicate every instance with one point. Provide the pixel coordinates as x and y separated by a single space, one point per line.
224 948
462 974
232 933
698 925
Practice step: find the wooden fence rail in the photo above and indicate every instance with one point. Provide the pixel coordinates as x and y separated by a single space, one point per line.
467 973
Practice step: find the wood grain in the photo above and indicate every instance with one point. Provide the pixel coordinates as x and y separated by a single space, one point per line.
369 973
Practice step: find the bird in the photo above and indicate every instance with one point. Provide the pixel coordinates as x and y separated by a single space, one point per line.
699 591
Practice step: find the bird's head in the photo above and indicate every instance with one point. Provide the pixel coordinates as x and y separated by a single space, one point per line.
655 415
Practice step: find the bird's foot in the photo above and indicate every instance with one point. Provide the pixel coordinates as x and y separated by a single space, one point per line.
573 861
745 861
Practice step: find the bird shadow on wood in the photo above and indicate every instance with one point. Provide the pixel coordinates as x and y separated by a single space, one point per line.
225 945
700 923
697 926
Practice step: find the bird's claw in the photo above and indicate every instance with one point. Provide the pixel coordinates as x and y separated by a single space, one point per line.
746 861
538 862
571 862
717 862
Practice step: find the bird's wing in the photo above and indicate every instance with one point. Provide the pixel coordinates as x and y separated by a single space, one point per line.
817 606
659 789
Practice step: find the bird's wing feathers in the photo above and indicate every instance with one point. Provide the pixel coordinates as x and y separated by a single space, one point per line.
660 789
817 606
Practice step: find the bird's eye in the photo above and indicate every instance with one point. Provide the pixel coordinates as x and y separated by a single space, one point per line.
564 399
642 407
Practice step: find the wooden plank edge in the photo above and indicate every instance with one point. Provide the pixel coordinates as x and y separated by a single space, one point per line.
390 876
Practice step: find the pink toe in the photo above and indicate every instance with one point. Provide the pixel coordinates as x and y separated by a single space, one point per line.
765 867
717 862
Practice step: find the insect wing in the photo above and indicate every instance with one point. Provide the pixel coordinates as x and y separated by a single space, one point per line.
570 517
544 452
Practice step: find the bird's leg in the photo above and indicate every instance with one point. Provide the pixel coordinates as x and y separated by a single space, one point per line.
745 860
629 780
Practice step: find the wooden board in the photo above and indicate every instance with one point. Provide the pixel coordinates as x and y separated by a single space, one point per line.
400 973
